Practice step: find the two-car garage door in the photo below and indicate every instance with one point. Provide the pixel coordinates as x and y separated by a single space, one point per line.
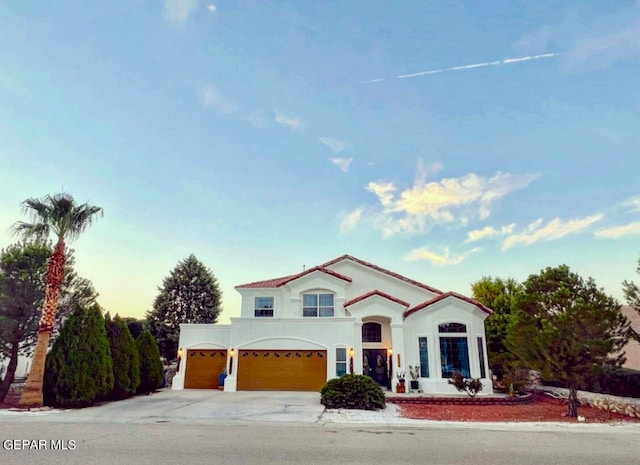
281 370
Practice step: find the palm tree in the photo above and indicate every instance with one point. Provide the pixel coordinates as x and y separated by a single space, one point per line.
58 214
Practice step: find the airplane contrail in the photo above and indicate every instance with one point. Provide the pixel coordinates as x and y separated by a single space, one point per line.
506 61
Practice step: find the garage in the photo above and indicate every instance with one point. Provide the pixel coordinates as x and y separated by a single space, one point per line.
203 367
282 370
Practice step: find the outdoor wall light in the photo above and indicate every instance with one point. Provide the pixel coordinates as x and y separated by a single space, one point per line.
390 363
179 358
232 352
351 352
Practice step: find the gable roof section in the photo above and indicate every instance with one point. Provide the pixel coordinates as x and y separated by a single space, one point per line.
381 270
444 296
379 293
279 282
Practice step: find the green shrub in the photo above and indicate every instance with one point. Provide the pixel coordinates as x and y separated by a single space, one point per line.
151 370
352 391
78 370
126 360
471 386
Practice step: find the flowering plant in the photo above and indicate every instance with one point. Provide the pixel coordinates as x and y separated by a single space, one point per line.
414 371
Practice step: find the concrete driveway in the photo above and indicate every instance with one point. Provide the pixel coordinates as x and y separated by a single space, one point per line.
193 407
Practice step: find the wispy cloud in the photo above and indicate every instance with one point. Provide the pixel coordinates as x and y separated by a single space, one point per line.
210 97
350 221
489 231
333 144
448 200
587 39
553 230
178 11
633 203
256 119
506 61
288 121
212 8
443 258
631 229
342 163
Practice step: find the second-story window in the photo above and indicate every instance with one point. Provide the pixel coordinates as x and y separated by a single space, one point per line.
263 307
317 305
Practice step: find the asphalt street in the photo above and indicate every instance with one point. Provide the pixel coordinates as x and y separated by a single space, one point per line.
184 427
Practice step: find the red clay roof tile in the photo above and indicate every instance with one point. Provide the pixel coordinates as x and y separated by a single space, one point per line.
444 296
376 292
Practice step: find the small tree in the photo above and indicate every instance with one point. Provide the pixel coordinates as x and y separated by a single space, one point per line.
79 368
190 294
500 296
136 326
632 294
126 360
566 328
151 369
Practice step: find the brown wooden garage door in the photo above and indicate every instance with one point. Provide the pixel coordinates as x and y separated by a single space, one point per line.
282 370
203 368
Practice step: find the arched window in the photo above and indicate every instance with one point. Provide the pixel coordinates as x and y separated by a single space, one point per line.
372 332
452 328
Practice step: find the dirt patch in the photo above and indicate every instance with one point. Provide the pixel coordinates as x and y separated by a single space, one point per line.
543 408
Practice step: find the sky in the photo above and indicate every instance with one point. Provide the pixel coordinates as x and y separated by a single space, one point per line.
445 141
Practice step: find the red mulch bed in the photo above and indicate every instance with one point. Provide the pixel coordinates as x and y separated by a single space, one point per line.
543 408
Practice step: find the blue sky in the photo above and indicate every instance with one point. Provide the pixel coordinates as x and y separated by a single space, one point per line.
443 140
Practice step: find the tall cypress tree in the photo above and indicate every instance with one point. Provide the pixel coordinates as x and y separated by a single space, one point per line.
190 294
126 360
151 370
78 369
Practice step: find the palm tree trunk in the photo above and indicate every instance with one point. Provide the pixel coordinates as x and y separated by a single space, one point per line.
32 394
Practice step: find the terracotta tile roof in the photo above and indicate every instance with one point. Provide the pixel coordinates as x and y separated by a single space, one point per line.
278 282
382 270
376 292
444 296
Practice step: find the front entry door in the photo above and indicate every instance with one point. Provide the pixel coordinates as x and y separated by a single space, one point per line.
374 364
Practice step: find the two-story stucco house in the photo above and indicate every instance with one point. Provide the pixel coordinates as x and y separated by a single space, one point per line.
346 315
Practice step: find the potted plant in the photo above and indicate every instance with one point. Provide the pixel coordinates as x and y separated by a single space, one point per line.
400 388
414 371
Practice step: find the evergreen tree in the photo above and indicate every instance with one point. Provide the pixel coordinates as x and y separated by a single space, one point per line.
632 293
190 294
79 368
567 328
500 296
126 360
23 268
135 326
151 369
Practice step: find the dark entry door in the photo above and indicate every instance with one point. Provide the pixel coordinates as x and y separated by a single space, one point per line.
374 364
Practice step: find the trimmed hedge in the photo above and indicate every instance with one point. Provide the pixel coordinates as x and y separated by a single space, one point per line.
622 382
354 392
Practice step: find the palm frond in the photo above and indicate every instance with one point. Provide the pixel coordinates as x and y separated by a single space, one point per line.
56 213
37 231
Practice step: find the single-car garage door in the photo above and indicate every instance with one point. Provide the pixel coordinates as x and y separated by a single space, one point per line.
282 370
203 368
